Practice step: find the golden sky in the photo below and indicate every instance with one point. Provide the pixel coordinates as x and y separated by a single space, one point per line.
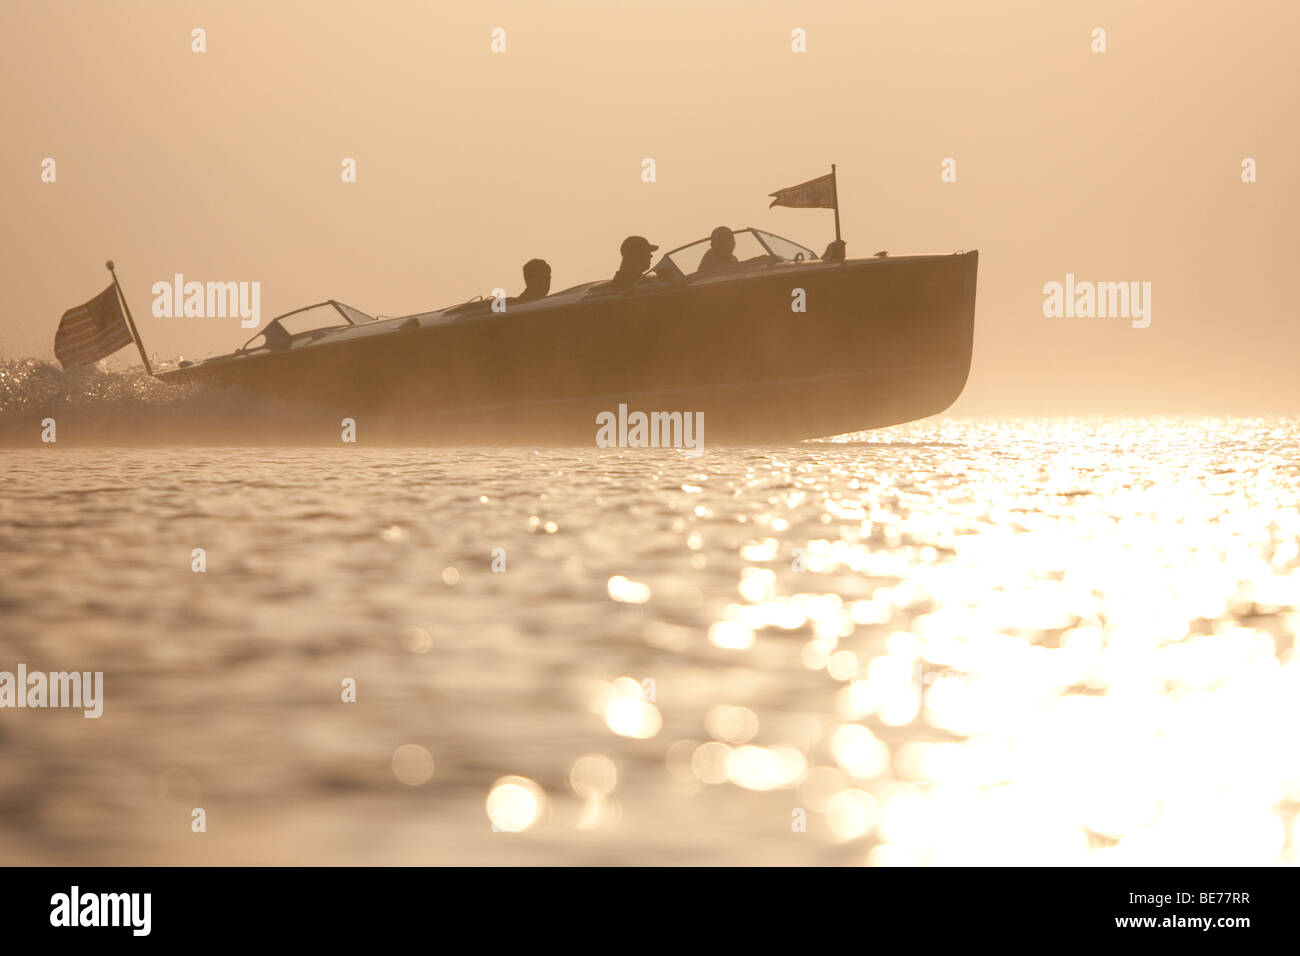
1115 166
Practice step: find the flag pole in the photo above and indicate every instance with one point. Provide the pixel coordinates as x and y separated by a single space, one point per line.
835 194
130 322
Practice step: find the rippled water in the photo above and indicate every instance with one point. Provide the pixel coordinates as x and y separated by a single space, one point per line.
950 642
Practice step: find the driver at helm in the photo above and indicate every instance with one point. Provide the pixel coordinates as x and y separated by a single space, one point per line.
721 251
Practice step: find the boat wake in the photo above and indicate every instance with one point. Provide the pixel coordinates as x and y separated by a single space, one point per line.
90 406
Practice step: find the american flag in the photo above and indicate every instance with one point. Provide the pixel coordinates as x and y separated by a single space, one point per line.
89 332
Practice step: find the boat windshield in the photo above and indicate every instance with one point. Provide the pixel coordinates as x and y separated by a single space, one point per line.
354 316
320 317
785 248
752 246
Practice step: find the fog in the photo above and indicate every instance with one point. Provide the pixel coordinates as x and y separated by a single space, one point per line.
1116 166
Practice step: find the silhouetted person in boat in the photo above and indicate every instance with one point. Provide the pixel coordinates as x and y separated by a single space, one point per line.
537 281
635 251
721 251
835 252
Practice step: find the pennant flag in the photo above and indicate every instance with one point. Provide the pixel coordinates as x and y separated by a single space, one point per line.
89 332
817 193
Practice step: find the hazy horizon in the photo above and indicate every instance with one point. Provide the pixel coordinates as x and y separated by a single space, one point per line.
1115 166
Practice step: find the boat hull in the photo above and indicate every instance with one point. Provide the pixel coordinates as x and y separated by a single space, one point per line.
881 341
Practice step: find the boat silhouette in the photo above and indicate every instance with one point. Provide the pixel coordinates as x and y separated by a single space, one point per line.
881 341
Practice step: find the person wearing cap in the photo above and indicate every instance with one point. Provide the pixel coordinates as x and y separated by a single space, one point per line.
721 251
635 251
537 281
